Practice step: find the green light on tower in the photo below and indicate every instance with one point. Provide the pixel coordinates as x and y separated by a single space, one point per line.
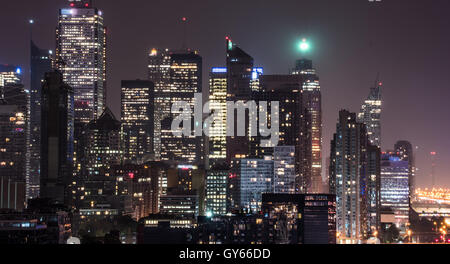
304 46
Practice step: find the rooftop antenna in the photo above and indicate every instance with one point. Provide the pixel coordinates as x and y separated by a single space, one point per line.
184 20
31 23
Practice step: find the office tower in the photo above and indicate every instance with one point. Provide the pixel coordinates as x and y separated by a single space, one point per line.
312 101
395 187
9 75
406 153
41 63
14 137
349 178
293 126
370 114
216 190
250 178
373 170
57 132
284 170
81 57
137 120
218 106
180 203
186 179
300 218
103 148
102 152
239 77
139 187
177 76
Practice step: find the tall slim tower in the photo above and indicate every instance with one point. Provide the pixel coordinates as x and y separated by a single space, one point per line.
41 63
57 139
218 106
81 57
350 175
370 114
405 151
239 88
312 101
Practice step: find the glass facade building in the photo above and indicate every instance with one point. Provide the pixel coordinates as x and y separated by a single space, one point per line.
81 57
284 170
370 114
256 178
177 76
312 101
352 176
218 106
395 186
137 102
216 190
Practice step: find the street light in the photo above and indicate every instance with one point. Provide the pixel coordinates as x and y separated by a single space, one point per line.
409 235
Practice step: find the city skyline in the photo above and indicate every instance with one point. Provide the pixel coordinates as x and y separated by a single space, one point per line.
402 68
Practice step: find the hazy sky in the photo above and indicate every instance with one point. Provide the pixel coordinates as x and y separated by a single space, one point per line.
407 41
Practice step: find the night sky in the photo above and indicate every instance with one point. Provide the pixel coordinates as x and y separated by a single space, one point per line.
407 41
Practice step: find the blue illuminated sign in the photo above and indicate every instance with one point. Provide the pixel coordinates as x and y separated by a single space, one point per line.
219 70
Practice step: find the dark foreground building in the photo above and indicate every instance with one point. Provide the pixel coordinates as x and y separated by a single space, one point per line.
42 222
286 219
300 219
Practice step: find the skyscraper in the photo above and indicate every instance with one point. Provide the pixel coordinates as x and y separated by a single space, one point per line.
293 126
239 88
370 114
103 148
57 137
349 178
177 77
216 190
218 106
284 178
41 63
102 152
373 172
81 57
395 187
137 120
312 101
14 137
406 153
249 179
